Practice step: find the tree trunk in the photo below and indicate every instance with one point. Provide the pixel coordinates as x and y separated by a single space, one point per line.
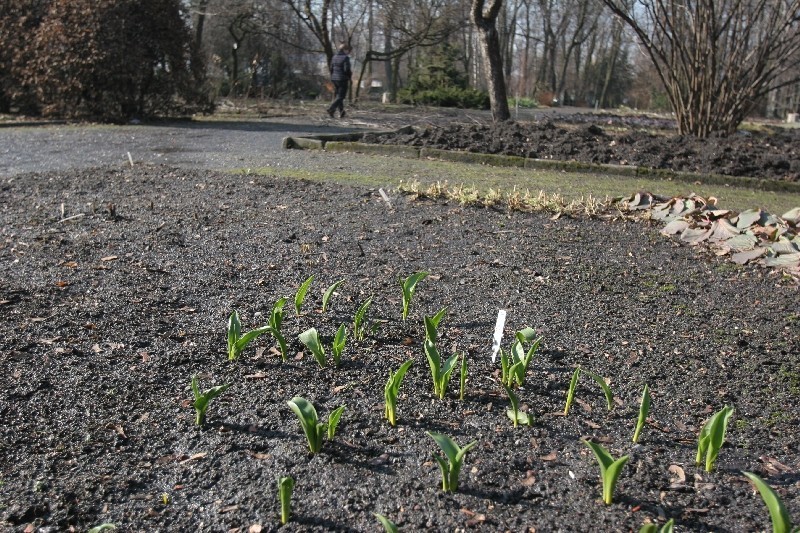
485 20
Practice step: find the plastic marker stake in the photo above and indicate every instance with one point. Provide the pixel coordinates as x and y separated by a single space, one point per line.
498 333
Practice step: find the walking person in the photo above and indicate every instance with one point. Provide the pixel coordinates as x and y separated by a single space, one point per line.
340 76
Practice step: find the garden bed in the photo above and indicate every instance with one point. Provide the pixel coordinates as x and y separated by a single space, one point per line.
117 286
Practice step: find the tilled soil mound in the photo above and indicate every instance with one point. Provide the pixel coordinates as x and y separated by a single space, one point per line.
598 139
116 288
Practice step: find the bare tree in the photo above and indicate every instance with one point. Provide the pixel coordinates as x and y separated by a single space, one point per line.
429 26
484 17
716 58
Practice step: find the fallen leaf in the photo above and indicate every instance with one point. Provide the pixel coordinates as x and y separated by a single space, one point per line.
678 473
552 456
71 264
228 509
530 479
255 528
109 258
773 466
257 375
194 457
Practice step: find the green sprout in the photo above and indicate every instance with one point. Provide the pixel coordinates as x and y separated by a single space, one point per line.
409 286
603 385
644 410
391 390
452 462
432 324
781 522
440 373
300 296
339 341
388 525
202 399
238 342
573 384
516 416
463 378
668 527
360 322
515 366
609 469
285 486
309 421
275 323
326 296
712 436
310 338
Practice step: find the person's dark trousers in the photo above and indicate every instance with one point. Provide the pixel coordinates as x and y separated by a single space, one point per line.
340 91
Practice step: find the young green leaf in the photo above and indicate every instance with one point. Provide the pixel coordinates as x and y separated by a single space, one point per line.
432 324
333 421
573 384
388 525
453 461
360 320
516 416
202 399
339 341
310 338
285 486
712 437
309 421
300 296
463 378
238 342
275 322
668 527
603 385
781 523
440 372
409 285
326 296
609 469
644 410
391 390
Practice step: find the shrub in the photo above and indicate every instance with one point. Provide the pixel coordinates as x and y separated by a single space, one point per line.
111 60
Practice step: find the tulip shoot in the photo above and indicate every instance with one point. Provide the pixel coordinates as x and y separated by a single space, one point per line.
440 371
202 399
285 486
300 295
310 338
326 296
409 285
711 438
644 410
309 421
453 461
610 469
237 341
781 522
339 341
391 390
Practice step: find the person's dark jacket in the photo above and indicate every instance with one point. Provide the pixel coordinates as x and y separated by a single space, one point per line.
340 67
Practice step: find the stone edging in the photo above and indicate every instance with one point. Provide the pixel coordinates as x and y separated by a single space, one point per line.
349 142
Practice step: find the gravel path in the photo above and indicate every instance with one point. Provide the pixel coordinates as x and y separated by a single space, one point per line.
206 145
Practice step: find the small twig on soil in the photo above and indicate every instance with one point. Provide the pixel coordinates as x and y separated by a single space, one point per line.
72 217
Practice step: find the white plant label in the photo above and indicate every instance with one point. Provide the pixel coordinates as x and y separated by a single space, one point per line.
498 333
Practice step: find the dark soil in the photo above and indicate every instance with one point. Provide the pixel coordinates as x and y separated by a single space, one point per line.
772 153
115 290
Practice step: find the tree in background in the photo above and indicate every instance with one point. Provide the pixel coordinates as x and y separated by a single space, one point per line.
109 60
716 58
484 17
